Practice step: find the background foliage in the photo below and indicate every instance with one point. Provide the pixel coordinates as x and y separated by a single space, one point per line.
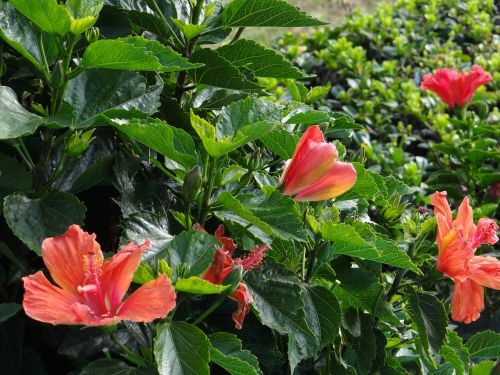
138 119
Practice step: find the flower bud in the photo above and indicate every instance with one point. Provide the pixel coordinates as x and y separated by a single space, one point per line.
233 279
92 34
192 183
78 142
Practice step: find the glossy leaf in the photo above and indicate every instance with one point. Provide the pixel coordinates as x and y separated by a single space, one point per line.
276 13
281 142
15 121
173 143
262 61
347 241
226 351
219 72
134 53
217 147
190 253
21 36
50 16
33 220
275 215
125 95
181 349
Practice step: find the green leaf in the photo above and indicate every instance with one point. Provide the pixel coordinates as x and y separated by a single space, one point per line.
364 346
274 215
454 353
365 186
219 72
275 13
484 368
21 36
484 345
262 61
107 366
329 313
346 240
141 226
181 349
125 95
237 115
226 351
84 14
13 177
309 117
8 310
189 30
50 16
278 300
281 142
197 285
316 93
213 98
359 288
297 90
33 220
217 147
134 53
285 253
430 318
190 253
15 121
173 143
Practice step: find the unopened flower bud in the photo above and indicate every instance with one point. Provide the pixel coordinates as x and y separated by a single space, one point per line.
58 76
233 279
192 183
92 34
78 142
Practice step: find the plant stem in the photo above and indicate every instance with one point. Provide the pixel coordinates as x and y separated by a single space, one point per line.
207 193
24 156
237 35
130 355
209 310
395 284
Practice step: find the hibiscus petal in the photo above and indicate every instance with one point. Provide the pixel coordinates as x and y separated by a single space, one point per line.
441 206
243 299
119 270
47 303
486 232
467 301
63 256
340 178
485 271
153 300
464 223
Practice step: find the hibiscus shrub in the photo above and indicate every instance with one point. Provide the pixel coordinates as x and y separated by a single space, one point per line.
158 192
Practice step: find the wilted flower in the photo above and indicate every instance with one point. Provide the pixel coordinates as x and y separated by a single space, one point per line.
457 241
455 89
91 289
313 173
224 263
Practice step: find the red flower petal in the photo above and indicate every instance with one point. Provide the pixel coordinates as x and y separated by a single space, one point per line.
467 301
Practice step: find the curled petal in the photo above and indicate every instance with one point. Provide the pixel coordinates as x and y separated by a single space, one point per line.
64 257
47 303
153 300
221 266
485 271
119 270
340 178
228 244
243 299
442 208
486 232
467 301
464 223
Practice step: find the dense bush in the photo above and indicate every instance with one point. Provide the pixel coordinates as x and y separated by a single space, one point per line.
149 122
375 64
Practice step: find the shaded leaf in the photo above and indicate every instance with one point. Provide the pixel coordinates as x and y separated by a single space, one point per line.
281 142
125 95
219 72
226 351
181 349
484 345
15 121
33 220
13 177
8 310
430 318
